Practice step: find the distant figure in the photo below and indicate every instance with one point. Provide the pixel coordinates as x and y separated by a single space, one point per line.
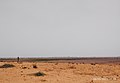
18 59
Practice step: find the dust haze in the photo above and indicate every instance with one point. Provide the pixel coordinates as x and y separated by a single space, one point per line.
32 28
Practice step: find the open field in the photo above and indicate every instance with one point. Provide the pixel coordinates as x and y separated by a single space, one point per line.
60 70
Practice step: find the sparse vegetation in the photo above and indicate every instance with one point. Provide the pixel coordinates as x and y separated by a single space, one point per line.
34 66
72 67
7 66
39 74
93 63
24 67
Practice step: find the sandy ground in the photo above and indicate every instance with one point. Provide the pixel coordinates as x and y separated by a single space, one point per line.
60 73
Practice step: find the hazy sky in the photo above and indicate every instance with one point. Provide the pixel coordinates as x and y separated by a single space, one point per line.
59 28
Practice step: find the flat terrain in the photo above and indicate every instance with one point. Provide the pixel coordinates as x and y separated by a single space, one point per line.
62 71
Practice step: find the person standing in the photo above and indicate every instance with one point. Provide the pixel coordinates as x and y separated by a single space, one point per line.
18 59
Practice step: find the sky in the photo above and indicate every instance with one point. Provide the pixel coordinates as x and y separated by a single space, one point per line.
59 28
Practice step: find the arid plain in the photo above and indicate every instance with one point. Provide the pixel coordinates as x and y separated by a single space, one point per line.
60 72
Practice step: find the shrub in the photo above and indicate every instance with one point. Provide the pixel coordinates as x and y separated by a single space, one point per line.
34 66
7 66
72 67
39 74
24 67
93 64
